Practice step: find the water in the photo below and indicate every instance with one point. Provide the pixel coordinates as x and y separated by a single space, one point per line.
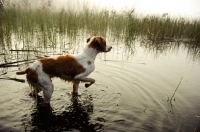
133 91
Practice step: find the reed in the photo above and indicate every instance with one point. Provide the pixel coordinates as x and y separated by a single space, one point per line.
42 26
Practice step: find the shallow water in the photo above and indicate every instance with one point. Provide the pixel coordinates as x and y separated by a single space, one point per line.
134 91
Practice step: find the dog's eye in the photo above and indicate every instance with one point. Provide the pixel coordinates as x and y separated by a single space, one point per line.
100 45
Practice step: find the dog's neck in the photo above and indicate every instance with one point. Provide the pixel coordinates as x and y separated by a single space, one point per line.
90 53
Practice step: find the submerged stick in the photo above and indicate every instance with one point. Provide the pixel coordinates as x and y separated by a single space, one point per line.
14 79
27 50
5 66
120 94
2 54
10 63
175 90
3 73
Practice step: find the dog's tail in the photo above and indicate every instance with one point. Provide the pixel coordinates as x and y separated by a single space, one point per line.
22 72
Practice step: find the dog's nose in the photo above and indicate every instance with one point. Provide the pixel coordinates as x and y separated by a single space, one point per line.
110 48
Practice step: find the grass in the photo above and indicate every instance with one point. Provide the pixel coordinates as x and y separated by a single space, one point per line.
42 27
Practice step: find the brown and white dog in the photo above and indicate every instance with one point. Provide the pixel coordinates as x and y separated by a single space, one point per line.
73 68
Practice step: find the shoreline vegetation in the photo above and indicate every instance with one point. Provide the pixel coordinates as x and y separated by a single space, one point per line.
45 25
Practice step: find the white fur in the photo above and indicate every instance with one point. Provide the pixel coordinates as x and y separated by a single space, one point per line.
44 81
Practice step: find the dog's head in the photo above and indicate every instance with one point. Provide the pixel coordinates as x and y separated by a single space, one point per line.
98 43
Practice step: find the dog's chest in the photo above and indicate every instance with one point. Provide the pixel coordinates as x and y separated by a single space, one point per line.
86 62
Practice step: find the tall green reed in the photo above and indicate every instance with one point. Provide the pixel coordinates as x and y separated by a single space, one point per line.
41 27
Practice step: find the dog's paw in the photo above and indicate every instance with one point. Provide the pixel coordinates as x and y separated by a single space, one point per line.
87 85
33 94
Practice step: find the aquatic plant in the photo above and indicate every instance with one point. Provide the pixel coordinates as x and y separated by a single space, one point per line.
41 27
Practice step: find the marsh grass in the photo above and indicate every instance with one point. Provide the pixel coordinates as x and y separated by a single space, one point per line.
42 27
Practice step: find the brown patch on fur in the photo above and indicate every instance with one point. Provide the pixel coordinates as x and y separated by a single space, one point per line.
99 43
31 75
89 62
63 65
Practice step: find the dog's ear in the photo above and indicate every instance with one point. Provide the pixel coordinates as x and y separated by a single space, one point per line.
88 39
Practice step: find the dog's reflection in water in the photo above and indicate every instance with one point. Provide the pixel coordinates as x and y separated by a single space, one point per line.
76 117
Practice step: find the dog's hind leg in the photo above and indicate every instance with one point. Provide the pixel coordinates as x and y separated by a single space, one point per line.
35 88
47 92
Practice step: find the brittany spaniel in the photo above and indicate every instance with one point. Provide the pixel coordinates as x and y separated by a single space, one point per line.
74 68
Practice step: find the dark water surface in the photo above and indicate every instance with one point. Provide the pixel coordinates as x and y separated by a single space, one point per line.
134 91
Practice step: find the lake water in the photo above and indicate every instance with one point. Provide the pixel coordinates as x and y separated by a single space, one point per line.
138 88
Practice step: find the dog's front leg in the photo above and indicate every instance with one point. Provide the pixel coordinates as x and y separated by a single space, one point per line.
90 80
75 86
47 91
81 77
